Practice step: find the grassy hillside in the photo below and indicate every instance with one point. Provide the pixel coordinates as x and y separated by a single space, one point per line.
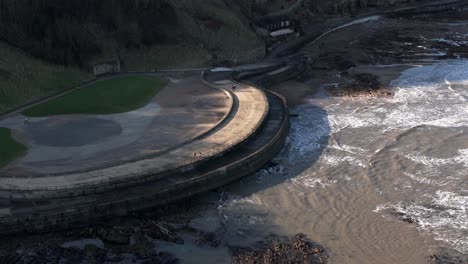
24 79
201 34
10 148
143 35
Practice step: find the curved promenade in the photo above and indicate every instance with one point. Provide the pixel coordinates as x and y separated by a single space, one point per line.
264 112
248 112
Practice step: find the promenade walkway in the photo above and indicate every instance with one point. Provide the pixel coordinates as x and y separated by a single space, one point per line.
66 212
249 110
184 110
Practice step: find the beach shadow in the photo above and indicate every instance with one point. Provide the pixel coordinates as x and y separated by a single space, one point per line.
307 139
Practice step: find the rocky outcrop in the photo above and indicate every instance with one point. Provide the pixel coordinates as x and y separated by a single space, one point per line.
342 7
298 249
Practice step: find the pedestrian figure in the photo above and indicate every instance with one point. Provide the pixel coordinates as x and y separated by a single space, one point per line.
26 121
234 87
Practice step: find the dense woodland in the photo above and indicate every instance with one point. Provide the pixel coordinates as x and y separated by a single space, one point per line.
67 32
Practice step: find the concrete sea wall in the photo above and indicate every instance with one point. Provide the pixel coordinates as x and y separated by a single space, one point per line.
237 163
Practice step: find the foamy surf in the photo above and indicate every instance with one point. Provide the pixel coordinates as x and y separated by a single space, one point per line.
444 216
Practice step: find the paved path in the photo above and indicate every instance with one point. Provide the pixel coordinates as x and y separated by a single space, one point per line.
249 111
246 159
185 109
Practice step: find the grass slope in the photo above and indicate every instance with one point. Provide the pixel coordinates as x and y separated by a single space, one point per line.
10 149
207 32
24 79
103 97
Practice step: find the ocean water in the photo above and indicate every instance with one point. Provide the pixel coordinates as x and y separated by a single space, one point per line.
376 180
373 179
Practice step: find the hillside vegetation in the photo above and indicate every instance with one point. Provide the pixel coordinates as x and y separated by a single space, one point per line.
10 148
23 78
38 35
48 46
143 34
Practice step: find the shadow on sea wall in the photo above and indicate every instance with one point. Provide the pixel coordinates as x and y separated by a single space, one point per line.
234 213
241 218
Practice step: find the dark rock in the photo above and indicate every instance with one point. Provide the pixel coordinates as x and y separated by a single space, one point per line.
114 235
209 238
298 249
4 74
94 254
447 258
157 230
161 258
142 244
404 217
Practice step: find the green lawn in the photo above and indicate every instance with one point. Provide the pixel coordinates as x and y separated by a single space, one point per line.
9 148
103 97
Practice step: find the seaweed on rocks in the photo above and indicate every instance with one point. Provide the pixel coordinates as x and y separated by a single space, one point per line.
362 84
298 249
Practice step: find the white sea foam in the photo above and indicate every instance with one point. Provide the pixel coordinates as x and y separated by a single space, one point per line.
456 43
461 159
308 132
428 95
312 182
337 160
425 180
424 95
246 201
445 216
434 95
457 39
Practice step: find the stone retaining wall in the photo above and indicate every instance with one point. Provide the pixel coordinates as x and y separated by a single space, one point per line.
80 215
131 174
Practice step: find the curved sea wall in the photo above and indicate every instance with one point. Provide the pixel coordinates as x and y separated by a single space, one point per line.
246 158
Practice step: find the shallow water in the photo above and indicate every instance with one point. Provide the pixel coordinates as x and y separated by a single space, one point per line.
354 167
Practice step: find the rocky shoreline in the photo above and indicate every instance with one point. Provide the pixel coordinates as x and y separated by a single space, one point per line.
134 239
362 60
298 249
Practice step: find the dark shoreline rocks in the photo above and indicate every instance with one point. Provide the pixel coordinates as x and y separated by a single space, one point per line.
298 249
361 84
447 256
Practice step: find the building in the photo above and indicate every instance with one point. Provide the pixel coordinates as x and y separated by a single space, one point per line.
277 29
106 68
